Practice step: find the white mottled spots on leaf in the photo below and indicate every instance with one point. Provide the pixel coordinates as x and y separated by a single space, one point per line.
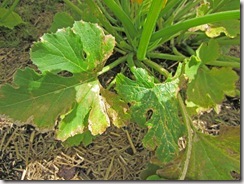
95 88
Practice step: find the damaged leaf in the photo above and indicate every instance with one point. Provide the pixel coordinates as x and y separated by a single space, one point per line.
154 106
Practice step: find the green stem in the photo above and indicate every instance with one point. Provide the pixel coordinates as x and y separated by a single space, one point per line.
165 56
148 28
188 49
170 5
103 20
168 32
229 41
157 67
186 9
225 63
110 18
73 7
187 121
123 17
230 58
112 65
120 51
126 6
176 52
130 62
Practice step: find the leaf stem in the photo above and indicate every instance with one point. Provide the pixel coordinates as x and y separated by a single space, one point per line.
165 56
73 7
130 62
225 63
169 31
157 67
112 65
187 121
188 49
148 28
103 19
123 17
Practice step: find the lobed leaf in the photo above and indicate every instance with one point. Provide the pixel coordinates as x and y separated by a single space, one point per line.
212 158
154 106
43 99
82 48
210 86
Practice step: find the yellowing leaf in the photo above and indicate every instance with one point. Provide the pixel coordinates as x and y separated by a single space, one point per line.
212 158
230 28
43 99
210 86
116 108
89 112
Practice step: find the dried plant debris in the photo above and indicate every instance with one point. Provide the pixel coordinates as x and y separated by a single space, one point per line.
27 154
210 122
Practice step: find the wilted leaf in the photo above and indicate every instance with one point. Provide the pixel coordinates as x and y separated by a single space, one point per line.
230 28
82 48
155 106
212 158
12 20
89 110
116 108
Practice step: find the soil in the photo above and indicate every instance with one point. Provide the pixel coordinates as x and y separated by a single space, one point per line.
118 154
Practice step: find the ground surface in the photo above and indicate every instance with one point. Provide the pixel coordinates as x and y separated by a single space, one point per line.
28 154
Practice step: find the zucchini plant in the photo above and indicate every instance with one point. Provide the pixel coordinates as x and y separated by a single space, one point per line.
150 37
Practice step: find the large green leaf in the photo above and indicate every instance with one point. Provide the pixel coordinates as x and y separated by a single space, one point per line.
155 106
82 48
36 98
41 98
212 158
10 21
